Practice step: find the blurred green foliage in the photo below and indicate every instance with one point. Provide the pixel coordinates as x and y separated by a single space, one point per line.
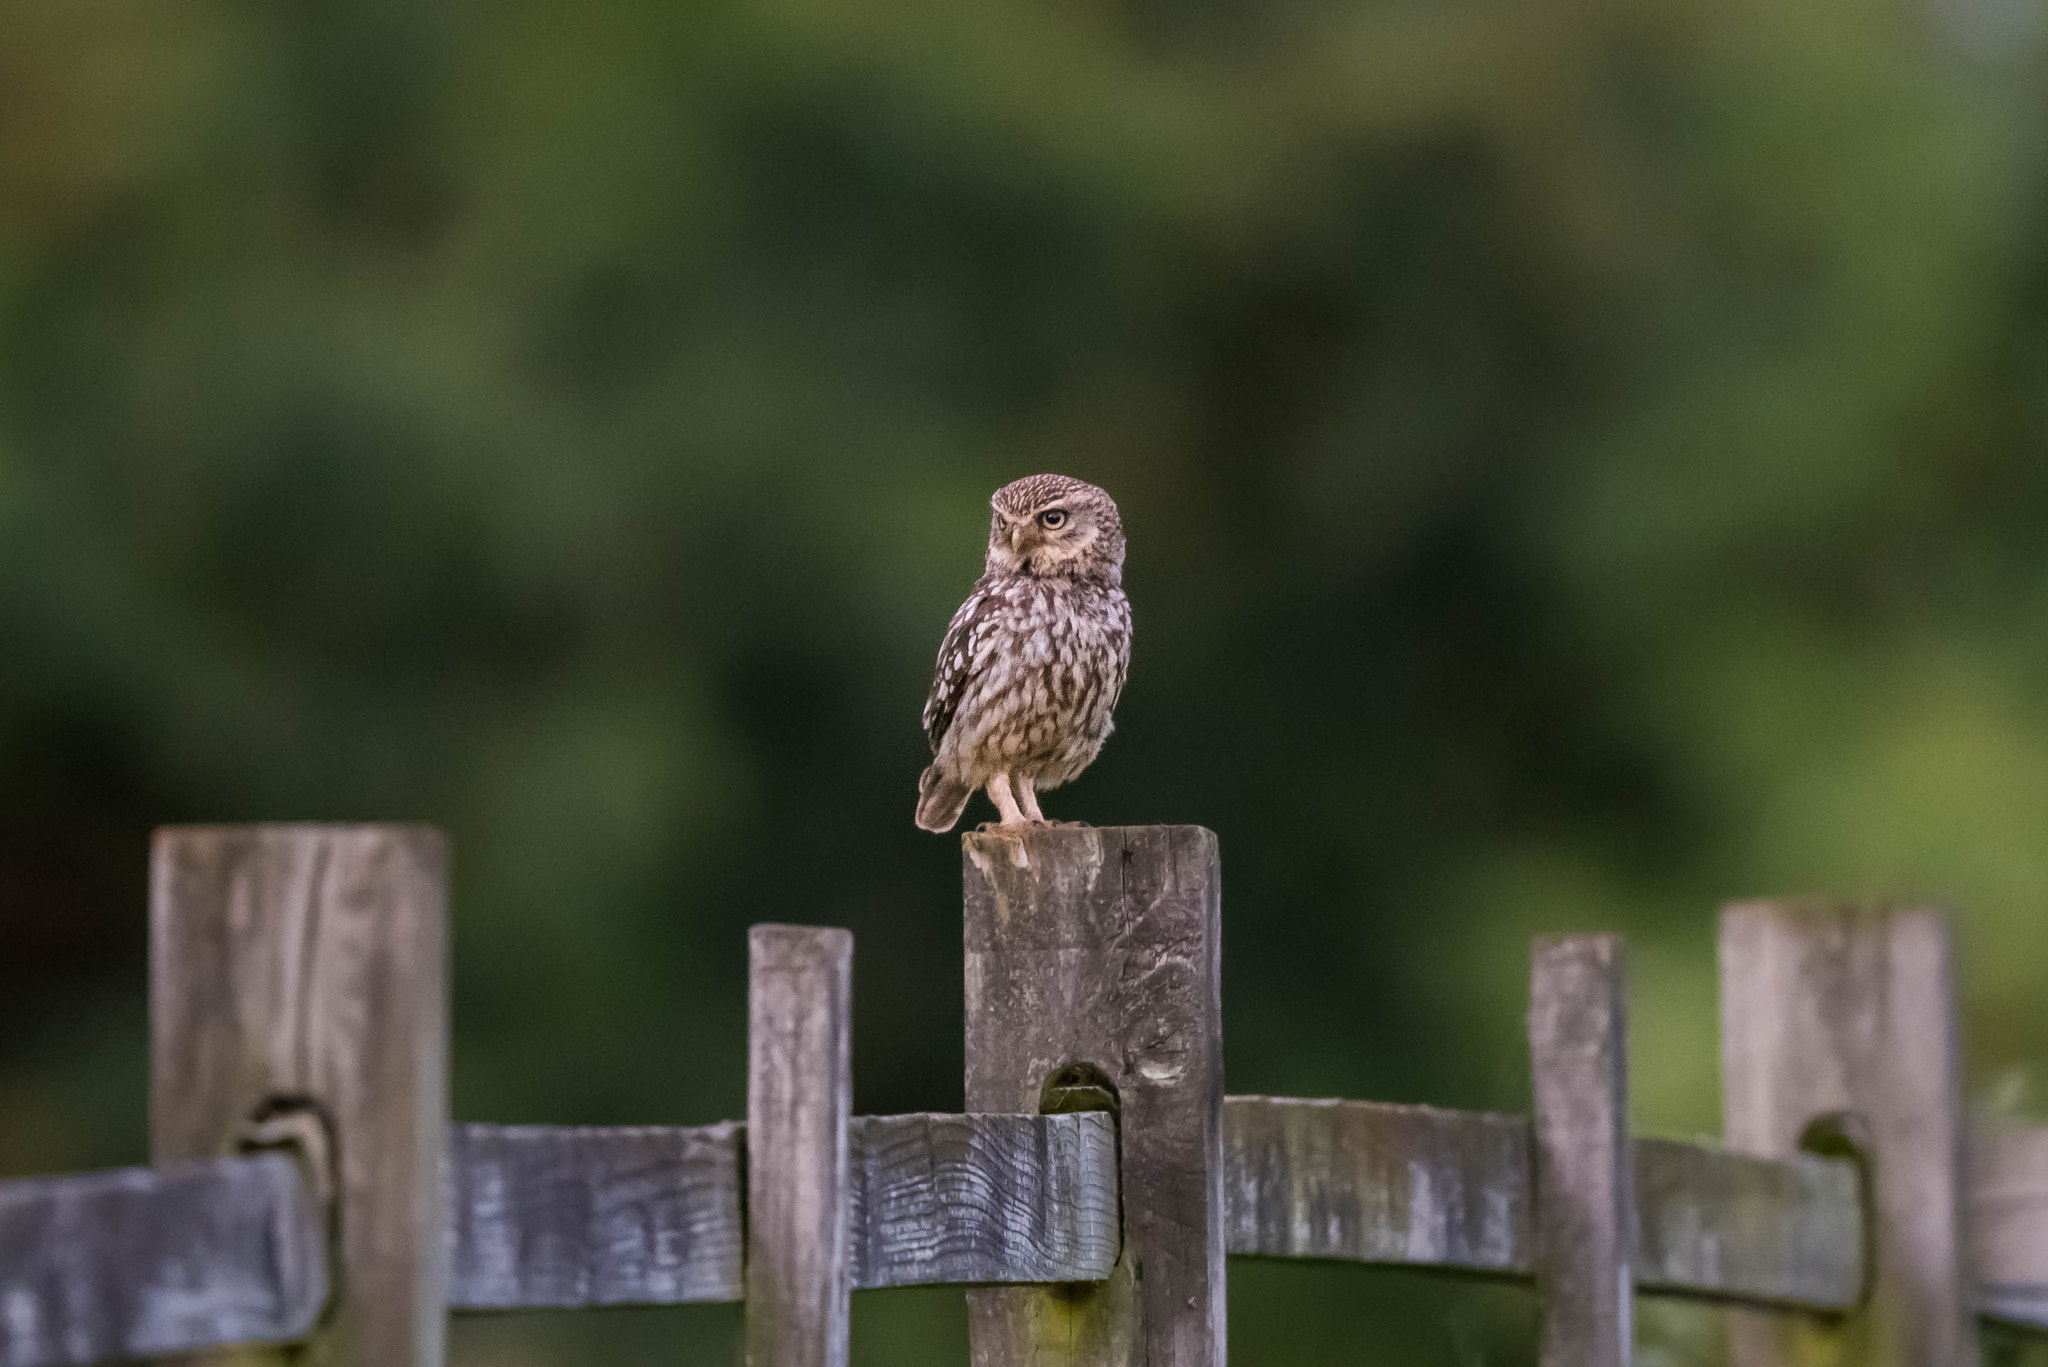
1583 462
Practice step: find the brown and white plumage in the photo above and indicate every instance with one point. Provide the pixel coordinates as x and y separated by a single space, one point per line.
1034 660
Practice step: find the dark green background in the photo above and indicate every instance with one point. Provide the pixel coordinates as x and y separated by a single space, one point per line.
1583 461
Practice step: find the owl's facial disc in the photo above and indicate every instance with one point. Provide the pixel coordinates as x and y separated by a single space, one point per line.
1061 530
1050 537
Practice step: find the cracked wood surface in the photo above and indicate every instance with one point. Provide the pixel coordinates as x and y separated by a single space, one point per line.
1092 979
572 1216
308 965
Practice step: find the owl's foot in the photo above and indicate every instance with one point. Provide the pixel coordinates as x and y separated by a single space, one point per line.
1006 802
1011 835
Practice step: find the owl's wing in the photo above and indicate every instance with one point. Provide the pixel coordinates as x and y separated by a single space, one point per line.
961 656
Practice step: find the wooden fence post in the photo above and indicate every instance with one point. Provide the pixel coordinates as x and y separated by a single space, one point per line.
300 973
799 1102
1092 982
1838 1029
1585 1223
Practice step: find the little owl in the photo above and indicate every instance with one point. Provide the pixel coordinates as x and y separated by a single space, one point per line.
1034 659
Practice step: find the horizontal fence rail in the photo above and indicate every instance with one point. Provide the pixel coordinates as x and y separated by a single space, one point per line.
1370 1182
555 1216
135 1262
548 1215
2009 1223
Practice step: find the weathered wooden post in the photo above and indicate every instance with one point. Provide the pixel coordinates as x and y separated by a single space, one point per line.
298 985
1838 1031
799 1101
1585 1207
1092 983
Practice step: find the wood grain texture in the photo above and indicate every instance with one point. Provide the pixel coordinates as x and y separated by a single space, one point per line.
135 1262
308 964
1842 1019
1099 950
555 1215
1374 1182
799 1102
1365 1181
2009 1223
983 1198
566 1216
546 1216
1581 1156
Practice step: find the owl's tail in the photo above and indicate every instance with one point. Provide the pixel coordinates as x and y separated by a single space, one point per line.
940 800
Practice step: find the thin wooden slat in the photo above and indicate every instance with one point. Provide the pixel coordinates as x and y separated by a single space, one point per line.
305 967
799 1102
1582 1160
570 1216
134 1262
1374 1182
2009 1223
1838 1025
547 1215
1092 980
983 1199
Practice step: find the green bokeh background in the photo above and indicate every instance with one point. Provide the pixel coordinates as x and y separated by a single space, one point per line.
1583 462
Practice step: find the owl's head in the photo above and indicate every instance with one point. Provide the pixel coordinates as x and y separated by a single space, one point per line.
1054 525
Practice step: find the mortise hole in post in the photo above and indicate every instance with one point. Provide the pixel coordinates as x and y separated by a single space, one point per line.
1078 1087
301 1127
1845 1134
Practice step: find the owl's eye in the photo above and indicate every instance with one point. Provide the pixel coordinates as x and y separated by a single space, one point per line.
1053 519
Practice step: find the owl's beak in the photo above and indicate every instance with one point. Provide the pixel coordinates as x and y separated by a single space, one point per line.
1016 531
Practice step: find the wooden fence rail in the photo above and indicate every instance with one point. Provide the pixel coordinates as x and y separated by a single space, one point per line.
301 1026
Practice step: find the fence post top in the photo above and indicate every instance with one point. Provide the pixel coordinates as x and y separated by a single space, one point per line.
251 829
774 936
1079 835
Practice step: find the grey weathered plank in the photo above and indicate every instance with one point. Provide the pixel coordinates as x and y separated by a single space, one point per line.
1092 976
1770 1231
305 967
799 1100
547 1215
2009 1222
1369 1181
983 1198
134 1262
1838 1025
1581 1157
1366 1181
568 1216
